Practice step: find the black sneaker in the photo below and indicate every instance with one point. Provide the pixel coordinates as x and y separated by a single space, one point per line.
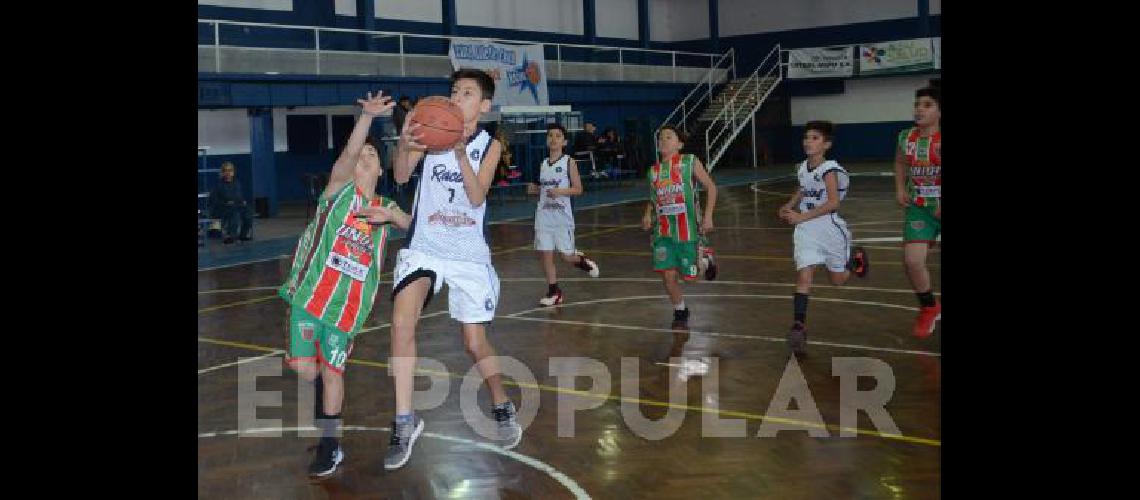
400 445
328 457
510 432
681 318
797 339
859 263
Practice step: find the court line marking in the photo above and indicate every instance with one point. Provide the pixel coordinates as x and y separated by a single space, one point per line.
649 280
872 223
880 239
732 295
724 335
549 470
724 282
899 248
240 361
720 256
245 262
620 399
386 325
718 228
518 316
238 303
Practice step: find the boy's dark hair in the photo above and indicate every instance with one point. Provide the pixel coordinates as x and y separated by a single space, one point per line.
681 136
552 126
931 92
404 98
486 83
824 127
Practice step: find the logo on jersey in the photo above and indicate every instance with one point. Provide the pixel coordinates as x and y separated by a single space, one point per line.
925 171
558 169
660 253
357 236
452 219
306 331
476 154
917 224
439 173
489 304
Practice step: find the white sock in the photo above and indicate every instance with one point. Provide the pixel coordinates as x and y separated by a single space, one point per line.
679 307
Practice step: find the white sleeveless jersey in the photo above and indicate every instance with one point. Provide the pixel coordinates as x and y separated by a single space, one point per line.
812 187
444 224
554 212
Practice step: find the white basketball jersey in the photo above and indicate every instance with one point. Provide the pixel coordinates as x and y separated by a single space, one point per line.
812 187
554 211
444 224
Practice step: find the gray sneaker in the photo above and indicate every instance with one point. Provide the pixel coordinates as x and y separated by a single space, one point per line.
797 339
510 432
400 445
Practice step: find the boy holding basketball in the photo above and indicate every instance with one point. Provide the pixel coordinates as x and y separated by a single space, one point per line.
335 277
446 244
673 200
558 180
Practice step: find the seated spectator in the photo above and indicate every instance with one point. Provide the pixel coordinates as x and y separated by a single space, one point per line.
609 146
586 140
226 203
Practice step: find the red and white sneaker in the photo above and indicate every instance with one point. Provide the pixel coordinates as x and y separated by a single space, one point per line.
551 299
859 263
588 265
927 317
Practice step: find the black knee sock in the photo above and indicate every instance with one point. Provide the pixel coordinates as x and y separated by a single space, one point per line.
800 307
319 397
552 288
926 298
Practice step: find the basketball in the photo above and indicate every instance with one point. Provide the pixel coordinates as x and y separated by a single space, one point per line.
441 122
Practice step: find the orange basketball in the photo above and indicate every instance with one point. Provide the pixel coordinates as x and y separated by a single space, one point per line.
441 122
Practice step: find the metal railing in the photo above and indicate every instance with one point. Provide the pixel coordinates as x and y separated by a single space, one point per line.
345 51
701 93
740 108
